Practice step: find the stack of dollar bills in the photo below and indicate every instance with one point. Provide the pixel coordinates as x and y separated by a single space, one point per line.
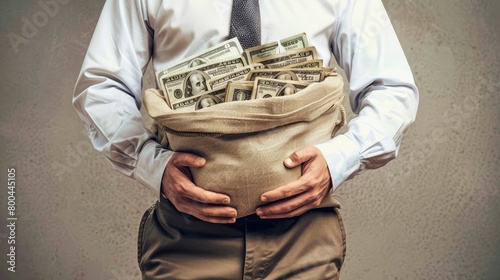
226 73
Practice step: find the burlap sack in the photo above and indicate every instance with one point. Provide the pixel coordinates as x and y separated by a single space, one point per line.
245 142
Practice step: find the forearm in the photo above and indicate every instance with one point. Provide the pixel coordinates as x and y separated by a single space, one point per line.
374 136
107 95
382 92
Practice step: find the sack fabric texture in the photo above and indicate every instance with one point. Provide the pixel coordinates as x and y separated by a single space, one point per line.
245 142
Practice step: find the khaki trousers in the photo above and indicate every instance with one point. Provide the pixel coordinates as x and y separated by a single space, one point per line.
173 245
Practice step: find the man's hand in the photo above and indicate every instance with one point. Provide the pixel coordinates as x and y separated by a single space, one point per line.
305 193
178 187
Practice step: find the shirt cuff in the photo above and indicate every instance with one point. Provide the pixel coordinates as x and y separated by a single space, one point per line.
151 165
342 156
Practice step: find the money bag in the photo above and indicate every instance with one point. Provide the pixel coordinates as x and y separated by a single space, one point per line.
245 143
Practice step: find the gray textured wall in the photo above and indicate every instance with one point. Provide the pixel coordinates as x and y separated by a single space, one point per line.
433 213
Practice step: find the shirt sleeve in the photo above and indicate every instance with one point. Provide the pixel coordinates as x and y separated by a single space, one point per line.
107 94
382 91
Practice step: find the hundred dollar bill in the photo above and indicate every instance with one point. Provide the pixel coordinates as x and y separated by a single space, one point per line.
294 74
298 41
184 84
315 63
189 104
239 91
294 42
222 51
206 101
257 65
237 75
265 88
284 60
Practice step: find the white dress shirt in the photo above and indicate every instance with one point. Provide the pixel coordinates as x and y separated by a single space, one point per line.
357 33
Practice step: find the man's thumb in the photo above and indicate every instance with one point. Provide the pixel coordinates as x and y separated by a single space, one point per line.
187 159
293 160
298 157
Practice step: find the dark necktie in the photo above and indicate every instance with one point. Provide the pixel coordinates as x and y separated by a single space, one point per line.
245 22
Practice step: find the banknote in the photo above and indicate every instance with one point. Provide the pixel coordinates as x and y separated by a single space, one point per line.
237 75
222 51
315 63
293 42
284 60
239 91
298 41
266 88
189 104
206 101
294 74
184 84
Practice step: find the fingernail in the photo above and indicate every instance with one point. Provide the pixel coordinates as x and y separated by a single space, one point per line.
200 161
288 161
259 213
263 199
225 201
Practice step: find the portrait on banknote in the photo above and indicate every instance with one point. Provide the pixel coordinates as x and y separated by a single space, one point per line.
197 61
240 95
207 101
195 83
286 75
288 89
